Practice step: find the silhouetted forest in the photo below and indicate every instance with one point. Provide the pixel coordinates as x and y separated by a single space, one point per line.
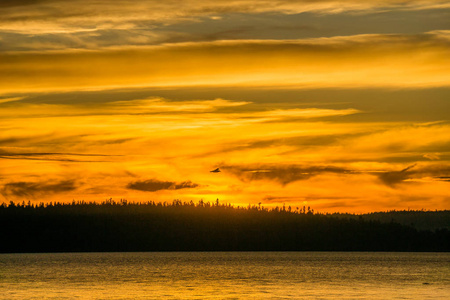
177 226
419 219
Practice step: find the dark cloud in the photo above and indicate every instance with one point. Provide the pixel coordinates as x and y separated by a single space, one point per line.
434 172
181 35
40 139
15 3
291 173
117 141
281 174
8 141
35 189
154 185
281 199
89 98
305 25
12 140
231 27
50 153
46 159
443 178
52 156
395 177
438 172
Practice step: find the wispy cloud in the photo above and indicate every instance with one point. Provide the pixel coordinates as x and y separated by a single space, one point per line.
282 174
12 99
231 26
162 105
203 110
394 177
53 156
290 173
356 61
37 189
130 107
83 15
153 185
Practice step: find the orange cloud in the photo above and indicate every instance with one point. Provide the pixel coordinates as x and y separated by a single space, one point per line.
74 16
356 61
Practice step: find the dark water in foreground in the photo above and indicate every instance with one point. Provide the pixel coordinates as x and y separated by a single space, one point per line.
225 275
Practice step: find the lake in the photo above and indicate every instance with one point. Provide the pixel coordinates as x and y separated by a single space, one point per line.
225 275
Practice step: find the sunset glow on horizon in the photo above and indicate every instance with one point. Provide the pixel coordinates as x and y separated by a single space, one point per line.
339 105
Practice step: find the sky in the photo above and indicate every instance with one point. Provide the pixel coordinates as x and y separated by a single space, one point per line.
340 105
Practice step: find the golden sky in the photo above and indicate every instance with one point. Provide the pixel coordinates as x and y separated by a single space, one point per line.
339 105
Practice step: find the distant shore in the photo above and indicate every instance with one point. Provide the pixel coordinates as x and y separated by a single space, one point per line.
121 226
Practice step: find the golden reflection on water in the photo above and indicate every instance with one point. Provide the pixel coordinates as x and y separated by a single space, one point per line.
225 275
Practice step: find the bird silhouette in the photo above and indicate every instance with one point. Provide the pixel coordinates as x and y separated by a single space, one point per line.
215 170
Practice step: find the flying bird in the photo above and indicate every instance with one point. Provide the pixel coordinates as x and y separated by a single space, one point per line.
215 170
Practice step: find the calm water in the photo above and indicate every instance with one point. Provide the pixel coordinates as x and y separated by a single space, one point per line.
225 275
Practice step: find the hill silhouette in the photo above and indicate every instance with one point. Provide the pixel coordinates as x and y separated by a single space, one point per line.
177 226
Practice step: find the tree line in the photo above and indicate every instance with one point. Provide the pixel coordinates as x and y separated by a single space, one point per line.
187 226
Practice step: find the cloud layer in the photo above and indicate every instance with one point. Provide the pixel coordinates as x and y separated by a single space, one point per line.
282 174
53 16
37 189
341 105
356 61
153 185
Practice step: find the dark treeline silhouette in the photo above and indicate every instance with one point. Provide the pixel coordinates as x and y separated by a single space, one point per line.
203 226
419 219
